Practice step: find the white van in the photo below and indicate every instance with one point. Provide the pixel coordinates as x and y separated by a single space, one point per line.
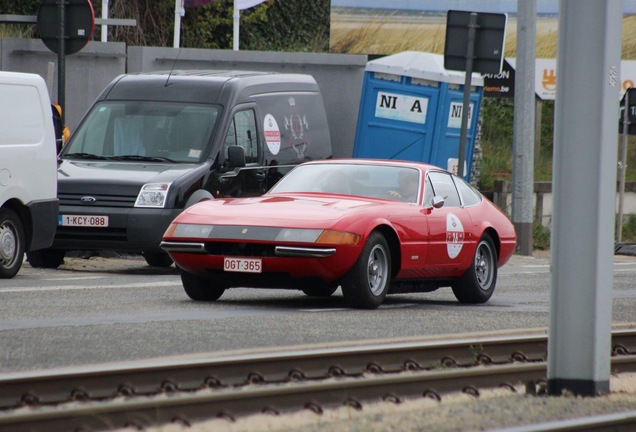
28 169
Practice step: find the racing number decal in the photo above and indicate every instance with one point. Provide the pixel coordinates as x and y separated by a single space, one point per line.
454 236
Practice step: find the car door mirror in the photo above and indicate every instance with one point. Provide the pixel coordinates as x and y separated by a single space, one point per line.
437 202
236 156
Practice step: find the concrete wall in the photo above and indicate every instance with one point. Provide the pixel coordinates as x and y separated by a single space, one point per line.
89 71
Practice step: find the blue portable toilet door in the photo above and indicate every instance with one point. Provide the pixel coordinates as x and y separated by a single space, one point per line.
395 123
445 153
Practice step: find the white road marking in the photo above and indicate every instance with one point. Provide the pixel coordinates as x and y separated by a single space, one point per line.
76 288
73 278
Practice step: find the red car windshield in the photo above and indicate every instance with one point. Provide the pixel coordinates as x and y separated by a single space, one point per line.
373 181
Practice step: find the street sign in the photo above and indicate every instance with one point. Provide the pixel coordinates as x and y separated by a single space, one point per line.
489 34
79 24
501 85
474 43
630 94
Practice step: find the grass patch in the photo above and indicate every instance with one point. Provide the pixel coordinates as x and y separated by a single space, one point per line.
628 235
17 31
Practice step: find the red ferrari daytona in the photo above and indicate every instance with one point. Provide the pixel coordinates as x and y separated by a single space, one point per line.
371 227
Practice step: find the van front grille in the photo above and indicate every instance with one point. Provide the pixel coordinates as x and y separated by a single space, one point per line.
74 199
89 234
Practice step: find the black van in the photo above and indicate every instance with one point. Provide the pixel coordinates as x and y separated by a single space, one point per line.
153 144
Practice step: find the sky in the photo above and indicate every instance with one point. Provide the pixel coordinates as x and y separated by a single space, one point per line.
495 6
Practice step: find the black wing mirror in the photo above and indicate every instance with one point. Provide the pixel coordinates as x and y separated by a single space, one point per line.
236 156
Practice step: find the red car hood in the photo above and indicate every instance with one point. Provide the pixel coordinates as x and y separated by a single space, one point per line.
277 210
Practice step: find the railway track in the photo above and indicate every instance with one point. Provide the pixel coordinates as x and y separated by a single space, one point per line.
155 392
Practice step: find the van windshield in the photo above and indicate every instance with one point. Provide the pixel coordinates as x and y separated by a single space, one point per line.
144 131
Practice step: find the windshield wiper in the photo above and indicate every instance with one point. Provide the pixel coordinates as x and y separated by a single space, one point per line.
85 156
143 158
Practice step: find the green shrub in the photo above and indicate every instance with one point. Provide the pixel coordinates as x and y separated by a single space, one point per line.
540 237
629 228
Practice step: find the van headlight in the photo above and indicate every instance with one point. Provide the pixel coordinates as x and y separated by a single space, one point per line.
153 195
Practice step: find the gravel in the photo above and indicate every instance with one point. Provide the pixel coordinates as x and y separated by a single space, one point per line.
492 410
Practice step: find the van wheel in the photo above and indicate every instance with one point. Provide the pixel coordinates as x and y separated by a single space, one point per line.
200 289
46 258
366 284
478 283
11 243
157 259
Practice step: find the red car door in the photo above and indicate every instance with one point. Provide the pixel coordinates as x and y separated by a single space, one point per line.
450 229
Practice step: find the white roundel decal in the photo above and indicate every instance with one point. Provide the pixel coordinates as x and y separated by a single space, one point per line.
454 235
272 134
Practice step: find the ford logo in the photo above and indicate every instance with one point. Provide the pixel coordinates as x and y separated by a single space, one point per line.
88 200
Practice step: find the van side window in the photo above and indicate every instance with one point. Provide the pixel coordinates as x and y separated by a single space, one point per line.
242 132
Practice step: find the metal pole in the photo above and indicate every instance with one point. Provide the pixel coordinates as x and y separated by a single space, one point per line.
524 118
622 168
61 56
236 15
105 17
538 110
470 52
179 11
50 73
585 158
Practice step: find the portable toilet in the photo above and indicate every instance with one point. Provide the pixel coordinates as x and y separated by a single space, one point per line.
411 109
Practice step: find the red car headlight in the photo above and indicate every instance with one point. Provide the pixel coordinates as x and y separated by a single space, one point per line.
185 230
338 237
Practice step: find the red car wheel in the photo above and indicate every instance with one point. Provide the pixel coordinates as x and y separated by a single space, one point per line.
366 284
478 283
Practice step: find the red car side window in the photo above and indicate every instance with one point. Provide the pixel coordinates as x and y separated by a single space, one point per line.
444 186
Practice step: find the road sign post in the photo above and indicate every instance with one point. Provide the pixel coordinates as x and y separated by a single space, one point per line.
474 42
65 27
628 128
470 50
524 127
